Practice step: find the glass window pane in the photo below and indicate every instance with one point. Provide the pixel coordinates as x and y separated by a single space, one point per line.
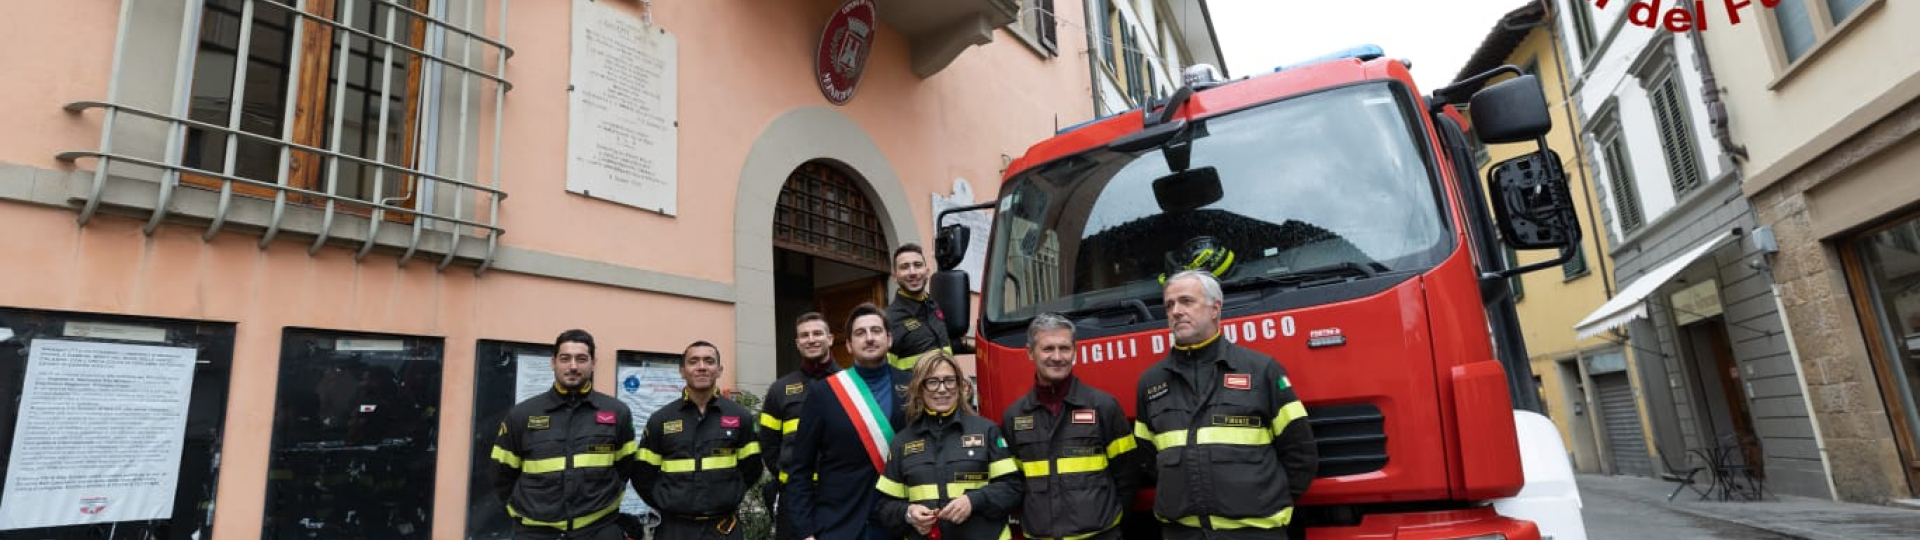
355 427
1796 28
1839 10
114 403
1892 260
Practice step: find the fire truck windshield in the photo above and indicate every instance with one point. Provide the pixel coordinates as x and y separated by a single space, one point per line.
1317 188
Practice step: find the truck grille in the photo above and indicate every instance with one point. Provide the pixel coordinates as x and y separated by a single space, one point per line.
1352 438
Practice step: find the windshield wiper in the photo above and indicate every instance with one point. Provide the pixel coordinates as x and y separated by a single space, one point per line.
1135 306
1312 277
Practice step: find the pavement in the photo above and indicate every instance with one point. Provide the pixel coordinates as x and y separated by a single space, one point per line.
1783 515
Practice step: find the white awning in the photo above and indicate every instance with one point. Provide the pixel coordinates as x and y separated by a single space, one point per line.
1630 304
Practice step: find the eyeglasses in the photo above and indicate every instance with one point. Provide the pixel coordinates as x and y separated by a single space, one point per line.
937 384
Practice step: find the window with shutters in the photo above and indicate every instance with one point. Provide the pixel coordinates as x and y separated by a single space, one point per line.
1038 28
1575 267
1626 199
1676 134
1582 27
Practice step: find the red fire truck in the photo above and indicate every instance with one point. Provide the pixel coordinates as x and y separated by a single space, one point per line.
1361 253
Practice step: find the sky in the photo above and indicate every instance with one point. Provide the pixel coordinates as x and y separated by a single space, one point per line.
1436 35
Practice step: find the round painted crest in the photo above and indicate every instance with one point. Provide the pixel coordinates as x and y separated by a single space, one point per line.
844 45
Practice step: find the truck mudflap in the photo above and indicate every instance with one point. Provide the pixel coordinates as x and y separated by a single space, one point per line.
1480 523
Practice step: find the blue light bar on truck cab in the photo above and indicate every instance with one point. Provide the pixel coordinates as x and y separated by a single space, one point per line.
1362 53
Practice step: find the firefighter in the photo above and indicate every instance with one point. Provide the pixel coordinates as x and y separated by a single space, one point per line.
1073 442
841 444
1227 437
780 413
562 459
951 476
698 456
916 323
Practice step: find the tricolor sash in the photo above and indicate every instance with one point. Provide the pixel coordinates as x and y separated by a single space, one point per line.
864 412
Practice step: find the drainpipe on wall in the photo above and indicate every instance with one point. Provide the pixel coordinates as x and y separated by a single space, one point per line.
1710 95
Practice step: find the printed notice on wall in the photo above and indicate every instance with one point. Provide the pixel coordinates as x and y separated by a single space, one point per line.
645 389
100 432
622 141
533 374
977 221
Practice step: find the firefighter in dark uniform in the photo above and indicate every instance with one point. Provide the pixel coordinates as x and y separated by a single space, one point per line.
780 413
1074 444
951 476
698 456
916 323
562 459
1228 439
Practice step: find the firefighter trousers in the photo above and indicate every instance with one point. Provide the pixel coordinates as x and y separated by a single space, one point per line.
719 528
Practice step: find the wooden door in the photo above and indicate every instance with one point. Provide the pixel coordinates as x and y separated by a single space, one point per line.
836 301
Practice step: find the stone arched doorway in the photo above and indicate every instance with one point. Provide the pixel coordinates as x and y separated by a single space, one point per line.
800 136
830 253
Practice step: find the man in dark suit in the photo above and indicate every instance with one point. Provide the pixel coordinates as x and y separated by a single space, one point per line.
846 426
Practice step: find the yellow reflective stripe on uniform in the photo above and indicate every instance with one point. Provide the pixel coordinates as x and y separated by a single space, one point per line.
907 362
768 421
1119 446
1141 431
509 459
1288 413
783 477
648 456
931 492
891 488
1275 521
604 460
1070 465
790 426
751 449
1215 435
568 525
706 463
1006 532
1003 467
542 466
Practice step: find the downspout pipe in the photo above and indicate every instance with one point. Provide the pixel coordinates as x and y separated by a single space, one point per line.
1710 95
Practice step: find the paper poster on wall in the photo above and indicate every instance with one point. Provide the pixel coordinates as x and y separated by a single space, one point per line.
978 222
645 389
622 112
533 374
109 451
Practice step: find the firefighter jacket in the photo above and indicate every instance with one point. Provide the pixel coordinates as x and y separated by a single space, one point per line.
562 460
939 458
1227 438
698 466
830 495
1080 466
917 326
780 416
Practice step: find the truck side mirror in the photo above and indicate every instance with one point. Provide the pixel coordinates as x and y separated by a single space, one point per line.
950 289
950 246
1531 202
1512 110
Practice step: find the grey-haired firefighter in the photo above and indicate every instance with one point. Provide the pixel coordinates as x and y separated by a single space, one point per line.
698 455
562 459
1229 440
1074 443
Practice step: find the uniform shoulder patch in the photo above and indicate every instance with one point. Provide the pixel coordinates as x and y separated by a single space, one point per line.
1083 416
1238 381
973 441
503 429
1022 423
672 427
539 422
910 324
914 447
796 389
1156 391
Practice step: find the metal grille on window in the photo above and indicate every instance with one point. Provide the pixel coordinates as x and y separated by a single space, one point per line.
364 108
1676 140
822 212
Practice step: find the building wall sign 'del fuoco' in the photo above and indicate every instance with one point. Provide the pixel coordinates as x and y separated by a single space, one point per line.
844 45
